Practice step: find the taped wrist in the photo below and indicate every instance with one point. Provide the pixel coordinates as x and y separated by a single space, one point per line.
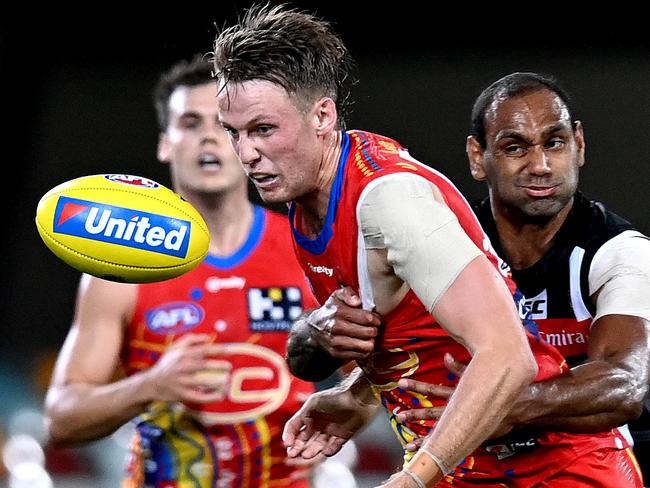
427 466
418 481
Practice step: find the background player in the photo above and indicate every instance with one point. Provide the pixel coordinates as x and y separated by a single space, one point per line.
584 270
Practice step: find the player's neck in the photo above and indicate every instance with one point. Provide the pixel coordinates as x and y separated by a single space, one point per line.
229 218
314 205
524 241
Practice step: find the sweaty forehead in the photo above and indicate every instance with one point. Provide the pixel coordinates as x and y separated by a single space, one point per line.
532 110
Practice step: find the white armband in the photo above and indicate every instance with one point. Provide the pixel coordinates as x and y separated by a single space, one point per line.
620 272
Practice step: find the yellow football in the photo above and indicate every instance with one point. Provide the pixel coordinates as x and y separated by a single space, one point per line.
122 228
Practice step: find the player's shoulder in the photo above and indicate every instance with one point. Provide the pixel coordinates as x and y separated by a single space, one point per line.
373 156
371 146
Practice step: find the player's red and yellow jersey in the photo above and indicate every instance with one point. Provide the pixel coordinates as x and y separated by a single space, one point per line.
411 343
247 303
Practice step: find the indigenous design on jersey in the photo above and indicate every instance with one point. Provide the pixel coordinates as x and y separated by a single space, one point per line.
412 344
245 302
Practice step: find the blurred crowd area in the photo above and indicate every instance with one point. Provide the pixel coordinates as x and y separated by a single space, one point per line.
28 462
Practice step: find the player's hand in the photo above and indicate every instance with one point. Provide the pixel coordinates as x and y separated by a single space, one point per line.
345 330
324 423
303 462
188 372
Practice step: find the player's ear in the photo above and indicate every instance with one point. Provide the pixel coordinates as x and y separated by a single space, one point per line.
164 148
325 116
579 135
475 157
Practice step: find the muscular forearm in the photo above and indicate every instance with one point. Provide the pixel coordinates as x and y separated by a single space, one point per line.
80 412
606 391
490 384
591 398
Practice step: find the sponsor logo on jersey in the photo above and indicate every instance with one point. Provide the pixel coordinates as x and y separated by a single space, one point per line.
213 284
563 338
174 317
321 269
538 305
524 314
257 383
273 309
122 226
138 181
502 451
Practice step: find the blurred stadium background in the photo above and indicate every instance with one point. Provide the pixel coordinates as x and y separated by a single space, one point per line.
77 102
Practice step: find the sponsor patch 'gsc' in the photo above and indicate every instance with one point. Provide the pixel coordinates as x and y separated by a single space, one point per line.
122 226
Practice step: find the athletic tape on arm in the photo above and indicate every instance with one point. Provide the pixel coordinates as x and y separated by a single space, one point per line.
621 271
426 245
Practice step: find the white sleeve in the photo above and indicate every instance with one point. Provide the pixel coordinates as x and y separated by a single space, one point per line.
620 272
426 245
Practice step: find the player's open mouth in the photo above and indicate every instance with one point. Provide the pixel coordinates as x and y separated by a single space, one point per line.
263 180
209 161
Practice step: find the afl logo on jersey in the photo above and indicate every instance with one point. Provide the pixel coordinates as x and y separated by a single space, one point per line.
174 317
258 383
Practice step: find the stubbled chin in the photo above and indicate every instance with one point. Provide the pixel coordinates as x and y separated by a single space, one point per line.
269 196
273 195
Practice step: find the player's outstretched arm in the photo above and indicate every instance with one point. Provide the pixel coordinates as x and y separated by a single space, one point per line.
329 418
429 251
501 366
85 400
609 388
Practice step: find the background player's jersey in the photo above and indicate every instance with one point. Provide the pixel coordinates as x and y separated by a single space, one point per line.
557 287
411 343
247 303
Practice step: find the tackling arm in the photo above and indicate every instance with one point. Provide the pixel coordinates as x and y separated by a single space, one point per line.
609 388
